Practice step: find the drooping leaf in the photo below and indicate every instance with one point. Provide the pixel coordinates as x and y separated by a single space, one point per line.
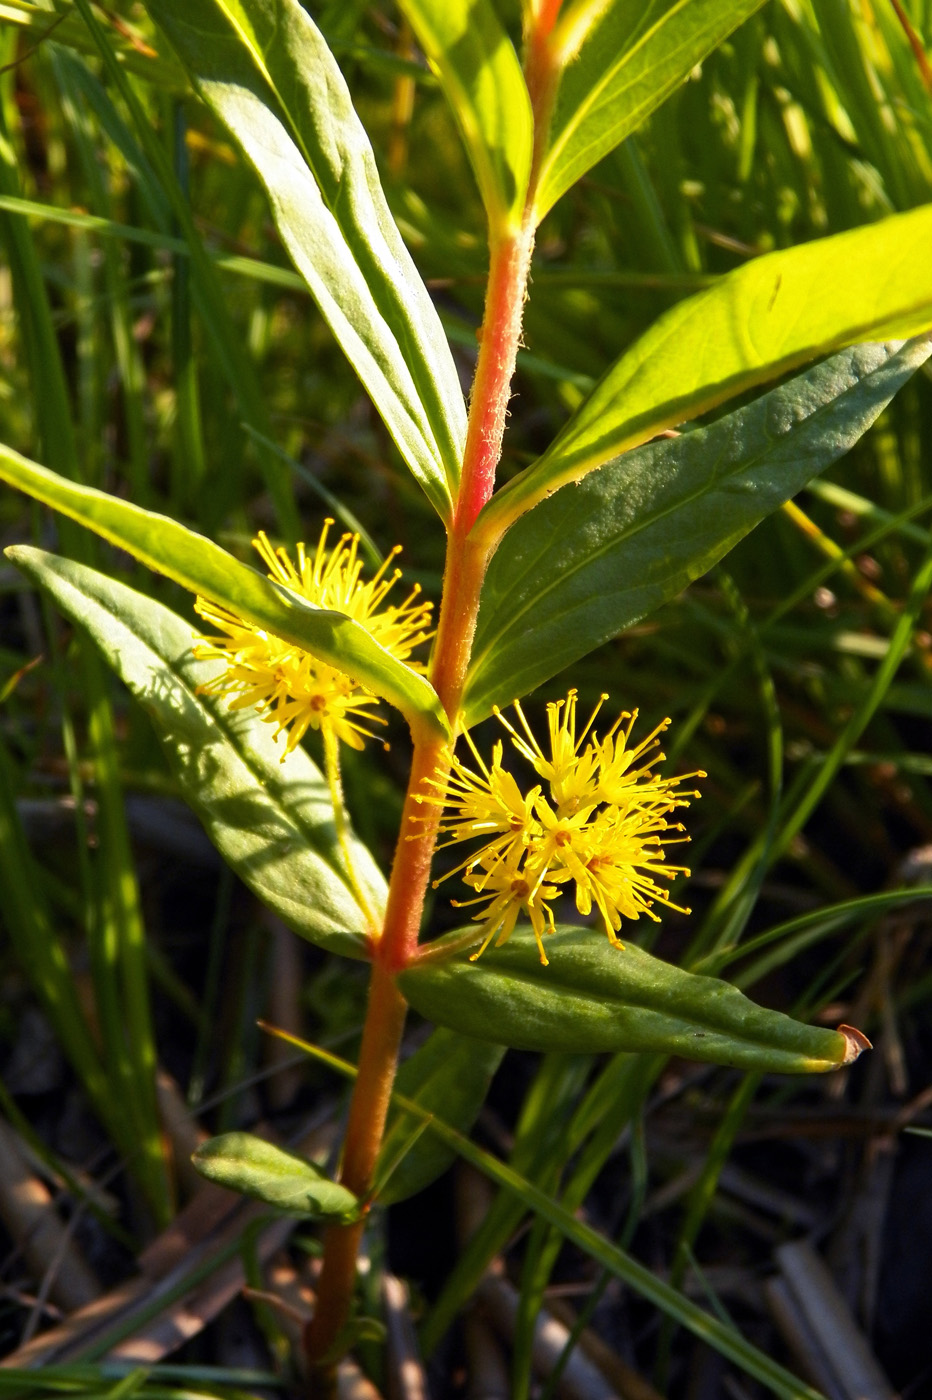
481 76
243 1162
629 62
776 312
265 69
203 567
271 820
580 567
448 1076
594 997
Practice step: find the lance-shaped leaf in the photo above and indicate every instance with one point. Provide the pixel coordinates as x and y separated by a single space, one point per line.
482 78
448 1076
775 313
629 62
272 820
594 997
244 1163
265 69
595 558
203 567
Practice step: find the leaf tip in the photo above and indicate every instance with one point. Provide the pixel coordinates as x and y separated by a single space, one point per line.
856 1042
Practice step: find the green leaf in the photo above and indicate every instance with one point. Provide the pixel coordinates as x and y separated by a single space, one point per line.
594 997
265 69
203 567
775 313
482 78
595 558
629 62
448 1076
244 1163
271 820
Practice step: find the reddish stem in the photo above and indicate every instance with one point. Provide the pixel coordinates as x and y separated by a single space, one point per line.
538 29
459 607
499 337
378 1057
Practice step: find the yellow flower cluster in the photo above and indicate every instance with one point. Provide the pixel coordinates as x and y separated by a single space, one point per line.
599 820
295 689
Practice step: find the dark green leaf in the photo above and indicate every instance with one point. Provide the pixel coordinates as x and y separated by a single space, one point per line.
265 69
203 567
632 59
775 313
480 74
245 1163
271 820
595 997
449 1076
596 557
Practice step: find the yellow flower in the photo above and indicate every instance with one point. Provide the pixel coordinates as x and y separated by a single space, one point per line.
334 580
618 775
293 689
513 888
488 804
569 772
603 827
614 865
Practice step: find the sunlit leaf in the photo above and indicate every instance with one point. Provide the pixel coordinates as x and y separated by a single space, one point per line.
265 69
632 59
775 313
271 820
595 997
480 74
203 567
244 1163
580 567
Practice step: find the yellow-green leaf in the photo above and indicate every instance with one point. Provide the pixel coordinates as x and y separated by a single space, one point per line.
245 1163
271 818
776 312
266 70
203 567
631 59
481 76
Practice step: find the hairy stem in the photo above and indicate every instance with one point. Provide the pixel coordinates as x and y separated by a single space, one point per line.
499 337
378 1057
459 607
